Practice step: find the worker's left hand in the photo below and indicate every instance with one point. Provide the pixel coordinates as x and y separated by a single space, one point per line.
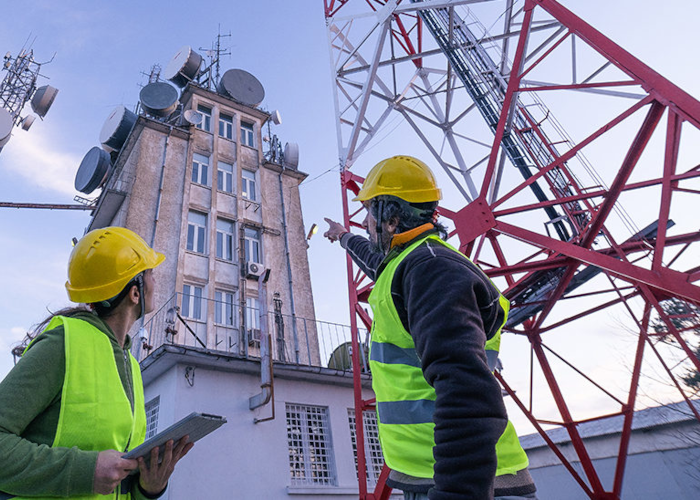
155 478
335 230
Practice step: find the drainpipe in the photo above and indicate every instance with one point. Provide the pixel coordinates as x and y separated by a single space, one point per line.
289 273
266 375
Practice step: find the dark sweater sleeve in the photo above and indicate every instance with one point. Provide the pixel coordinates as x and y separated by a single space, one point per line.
362 253
28 468
443 301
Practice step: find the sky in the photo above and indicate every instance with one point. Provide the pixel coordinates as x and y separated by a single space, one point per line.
103 52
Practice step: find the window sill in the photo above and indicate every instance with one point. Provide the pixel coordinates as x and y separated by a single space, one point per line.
201 185
321 490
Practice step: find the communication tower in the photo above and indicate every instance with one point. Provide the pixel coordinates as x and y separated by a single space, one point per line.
547 217
18 87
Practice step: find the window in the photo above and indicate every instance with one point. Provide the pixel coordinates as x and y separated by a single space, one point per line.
373 451
247 134
200 169
252 320
196 231
224 239
225 179
248 184
192 303
224 314
206 118
226 126
253 250
152 408
310 446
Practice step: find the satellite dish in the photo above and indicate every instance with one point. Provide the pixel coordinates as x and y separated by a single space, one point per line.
93 170
159 99
291 155
27 122
275 117
193 117
117 127
43 99
184 67
6 123
241 86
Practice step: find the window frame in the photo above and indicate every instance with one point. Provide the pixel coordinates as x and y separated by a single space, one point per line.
200 170
223 176
223 305
248 133
249 185
311 458
252 238
196 233
206 112
226 125
194 301
225 240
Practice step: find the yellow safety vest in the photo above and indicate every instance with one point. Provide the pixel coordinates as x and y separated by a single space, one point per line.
95 413
405 400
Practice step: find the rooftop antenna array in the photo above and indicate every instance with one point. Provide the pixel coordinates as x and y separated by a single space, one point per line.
18 87
214 54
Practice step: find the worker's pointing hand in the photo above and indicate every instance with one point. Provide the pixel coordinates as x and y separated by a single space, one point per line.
335 230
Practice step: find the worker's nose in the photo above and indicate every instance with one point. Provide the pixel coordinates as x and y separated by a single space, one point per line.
364 222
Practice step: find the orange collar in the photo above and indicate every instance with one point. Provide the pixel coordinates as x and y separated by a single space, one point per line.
401 238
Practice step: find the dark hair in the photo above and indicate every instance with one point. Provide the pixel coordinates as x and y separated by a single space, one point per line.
409 215
35 330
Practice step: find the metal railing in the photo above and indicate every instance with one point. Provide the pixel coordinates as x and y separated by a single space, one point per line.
235 329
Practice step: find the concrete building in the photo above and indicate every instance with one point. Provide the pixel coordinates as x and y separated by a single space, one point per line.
663 461
197 184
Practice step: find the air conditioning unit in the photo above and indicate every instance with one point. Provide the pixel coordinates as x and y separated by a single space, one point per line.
254 270
254 337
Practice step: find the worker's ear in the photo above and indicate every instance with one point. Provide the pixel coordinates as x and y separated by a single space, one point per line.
134 294
391 225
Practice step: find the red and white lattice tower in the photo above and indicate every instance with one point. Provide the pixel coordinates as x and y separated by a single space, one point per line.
569 176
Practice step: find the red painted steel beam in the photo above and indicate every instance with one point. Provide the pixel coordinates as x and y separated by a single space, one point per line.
666 280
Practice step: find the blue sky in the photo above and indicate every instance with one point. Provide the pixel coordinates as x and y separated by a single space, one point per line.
102 50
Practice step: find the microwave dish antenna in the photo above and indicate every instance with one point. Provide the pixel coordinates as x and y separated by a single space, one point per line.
6 123
116 128
193 117
93 170
27 122
43 99
241 86
183 67
291 155
276 117
159 99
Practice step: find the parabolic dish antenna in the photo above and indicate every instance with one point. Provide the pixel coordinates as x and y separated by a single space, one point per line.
27 122
43 99
291 155
184 67
117 127
193 117
5 126
93 170
276 117
241 86
159 99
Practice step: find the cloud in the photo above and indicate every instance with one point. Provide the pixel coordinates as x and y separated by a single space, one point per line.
39 160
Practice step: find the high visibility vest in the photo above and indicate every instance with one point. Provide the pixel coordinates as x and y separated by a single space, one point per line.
405 400
95 413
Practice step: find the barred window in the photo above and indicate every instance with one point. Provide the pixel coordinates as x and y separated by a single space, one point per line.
310 446
374 460
152 408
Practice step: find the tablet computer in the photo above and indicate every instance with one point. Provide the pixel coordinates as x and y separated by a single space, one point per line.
195 425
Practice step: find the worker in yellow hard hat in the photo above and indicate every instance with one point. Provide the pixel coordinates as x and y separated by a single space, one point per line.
74 403
443 427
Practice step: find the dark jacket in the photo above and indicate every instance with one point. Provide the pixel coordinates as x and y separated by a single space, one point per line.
450 308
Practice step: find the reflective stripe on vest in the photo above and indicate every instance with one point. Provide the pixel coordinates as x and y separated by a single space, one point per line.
95 413
405 400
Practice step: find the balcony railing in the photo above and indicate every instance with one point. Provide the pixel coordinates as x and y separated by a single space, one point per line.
235 329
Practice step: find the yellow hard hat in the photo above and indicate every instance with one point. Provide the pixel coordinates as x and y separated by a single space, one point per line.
104 261
402 176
